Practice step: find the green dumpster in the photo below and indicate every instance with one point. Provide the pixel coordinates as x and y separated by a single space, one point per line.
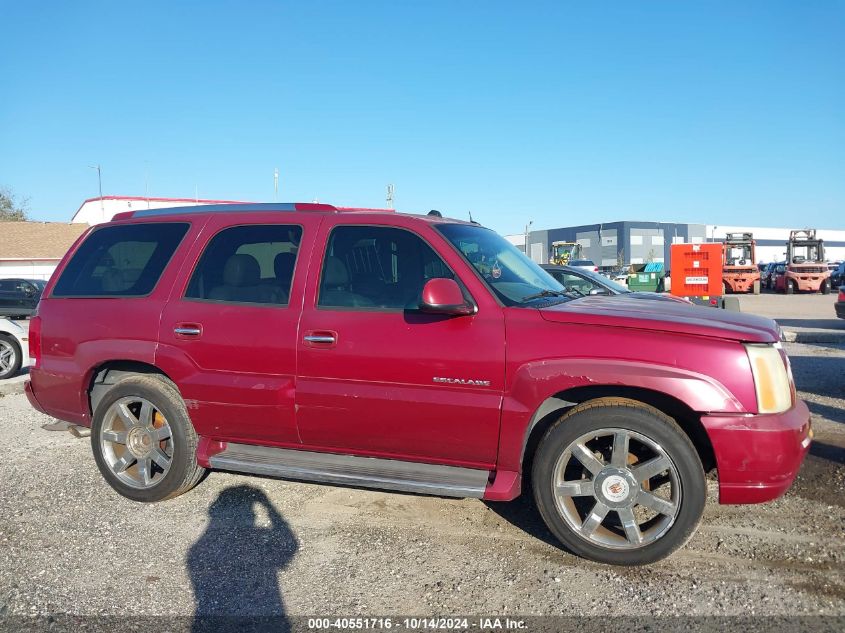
646 277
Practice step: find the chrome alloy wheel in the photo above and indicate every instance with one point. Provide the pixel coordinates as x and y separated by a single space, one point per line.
8 357
617 488
136 442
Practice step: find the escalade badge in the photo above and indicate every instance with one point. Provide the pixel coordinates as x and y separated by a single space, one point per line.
463 381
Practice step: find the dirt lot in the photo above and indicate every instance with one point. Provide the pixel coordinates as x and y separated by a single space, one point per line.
237 544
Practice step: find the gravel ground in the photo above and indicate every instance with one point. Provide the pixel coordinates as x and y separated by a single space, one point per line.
249 545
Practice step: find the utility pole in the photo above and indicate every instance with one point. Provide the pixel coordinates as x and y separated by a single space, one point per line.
527 231
275 184
390 190
100 182
147 182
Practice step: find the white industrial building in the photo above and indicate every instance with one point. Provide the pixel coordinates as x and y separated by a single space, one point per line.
98 210
637 242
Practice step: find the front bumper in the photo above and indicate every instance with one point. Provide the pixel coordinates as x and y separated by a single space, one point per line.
758 456
809 282
840 309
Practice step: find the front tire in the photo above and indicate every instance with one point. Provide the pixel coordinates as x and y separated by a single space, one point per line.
755 289
789 287
825 288
143 441
10 356
619 482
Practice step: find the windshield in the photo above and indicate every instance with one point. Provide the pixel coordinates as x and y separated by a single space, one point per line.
738 255
514 278
603 281
38 283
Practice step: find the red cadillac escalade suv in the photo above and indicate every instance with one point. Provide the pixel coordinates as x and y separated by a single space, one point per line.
411 353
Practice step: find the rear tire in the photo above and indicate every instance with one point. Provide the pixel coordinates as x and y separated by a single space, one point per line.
143 441
825 287
605 497
10 356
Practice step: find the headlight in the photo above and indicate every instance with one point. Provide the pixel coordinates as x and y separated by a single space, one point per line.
771 380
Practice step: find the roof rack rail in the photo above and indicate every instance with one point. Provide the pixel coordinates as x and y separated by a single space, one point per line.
245 207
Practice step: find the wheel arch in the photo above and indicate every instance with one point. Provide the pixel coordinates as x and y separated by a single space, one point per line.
108 373
556 405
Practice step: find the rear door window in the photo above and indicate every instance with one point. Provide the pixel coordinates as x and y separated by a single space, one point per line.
248 264
120 261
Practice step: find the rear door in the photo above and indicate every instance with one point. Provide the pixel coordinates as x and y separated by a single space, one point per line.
378 377
229 331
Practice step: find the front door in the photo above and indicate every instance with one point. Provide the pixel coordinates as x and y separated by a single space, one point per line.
378 377
230 328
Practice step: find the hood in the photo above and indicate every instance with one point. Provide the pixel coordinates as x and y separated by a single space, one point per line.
666 316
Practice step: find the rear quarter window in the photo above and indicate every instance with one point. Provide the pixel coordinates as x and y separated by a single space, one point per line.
120 261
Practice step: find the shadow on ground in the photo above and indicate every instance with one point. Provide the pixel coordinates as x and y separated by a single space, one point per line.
234 566
523 513
834 414
820 324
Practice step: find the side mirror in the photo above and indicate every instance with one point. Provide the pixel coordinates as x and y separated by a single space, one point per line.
444 296
599 291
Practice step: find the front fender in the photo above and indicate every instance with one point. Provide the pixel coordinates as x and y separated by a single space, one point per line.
536 382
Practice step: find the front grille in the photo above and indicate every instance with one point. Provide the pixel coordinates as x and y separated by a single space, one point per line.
804 270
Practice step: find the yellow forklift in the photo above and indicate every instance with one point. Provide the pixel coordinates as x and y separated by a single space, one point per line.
561 253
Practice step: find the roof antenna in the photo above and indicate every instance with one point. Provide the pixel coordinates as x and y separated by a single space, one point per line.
470 216
390 196
435 213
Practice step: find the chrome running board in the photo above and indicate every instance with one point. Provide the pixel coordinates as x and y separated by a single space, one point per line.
351 470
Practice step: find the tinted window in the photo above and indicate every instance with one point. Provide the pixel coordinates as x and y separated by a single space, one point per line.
377 267
248 264
574 283
120 261
514 278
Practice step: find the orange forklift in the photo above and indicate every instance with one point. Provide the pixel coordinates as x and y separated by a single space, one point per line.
806 268
739 269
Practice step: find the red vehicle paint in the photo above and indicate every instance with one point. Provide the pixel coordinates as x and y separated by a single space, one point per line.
468 388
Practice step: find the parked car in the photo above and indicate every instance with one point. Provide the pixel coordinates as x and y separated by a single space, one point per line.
767 277
837 275
410 353
839 306
778 277
586 282
14 347
586 264
18 297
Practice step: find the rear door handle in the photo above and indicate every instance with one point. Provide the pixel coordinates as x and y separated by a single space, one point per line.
187 330
321 338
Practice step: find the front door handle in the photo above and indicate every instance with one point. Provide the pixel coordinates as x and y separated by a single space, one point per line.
321 338
187 330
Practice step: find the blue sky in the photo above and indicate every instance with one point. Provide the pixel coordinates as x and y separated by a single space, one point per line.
561 113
